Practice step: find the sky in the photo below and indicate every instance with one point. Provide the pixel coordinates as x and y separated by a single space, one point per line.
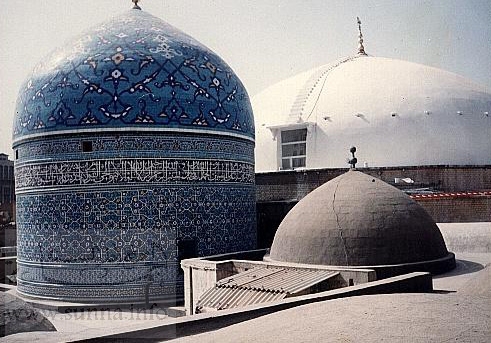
264 41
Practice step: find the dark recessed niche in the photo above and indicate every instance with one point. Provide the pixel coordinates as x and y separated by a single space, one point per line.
16 154
186 248
87 146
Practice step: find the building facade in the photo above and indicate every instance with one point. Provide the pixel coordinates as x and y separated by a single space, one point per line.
7 189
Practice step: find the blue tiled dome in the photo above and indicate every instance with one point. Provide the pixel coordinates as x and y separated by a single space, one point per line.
135 72
134 150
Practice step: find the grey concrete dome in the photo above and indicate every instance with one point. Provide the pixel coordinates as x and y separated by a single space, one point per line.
358 220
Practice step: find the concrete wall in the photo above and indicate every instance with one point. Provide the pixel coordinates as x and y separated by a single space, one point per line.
192 325
294 185
458 209
198 277
201 274
467 237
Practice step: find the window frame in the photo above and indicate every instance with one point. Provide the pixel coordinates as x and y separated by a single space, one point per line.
292 158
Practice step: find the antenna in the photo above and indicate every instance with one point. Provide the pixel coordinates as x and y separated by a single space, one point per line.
361 48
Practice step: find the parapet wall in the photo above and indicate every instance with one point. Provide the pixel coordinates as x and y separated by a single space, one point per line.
205 322
458 209
202 273
467 237
295 184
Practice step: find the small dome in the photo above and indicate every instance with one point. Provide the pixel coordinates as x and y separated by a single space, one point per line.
134 72
397 113
357 220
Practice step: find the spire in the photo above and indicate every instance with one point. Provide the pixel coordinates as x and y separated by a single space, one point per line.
136 7
361 48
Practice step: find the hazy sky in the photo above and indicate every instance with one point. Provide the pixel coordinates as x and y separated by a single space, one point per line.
264 41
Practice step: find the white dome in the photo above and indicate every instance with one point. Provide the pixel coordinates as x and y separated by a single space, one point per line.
396 113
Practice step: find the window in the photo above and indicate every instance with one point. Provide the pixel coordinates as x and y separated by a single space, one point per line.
293 148
86 146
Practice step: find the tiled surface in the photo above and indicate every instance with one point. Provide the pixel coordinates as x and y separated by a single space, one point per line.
133 71
129 140
103 224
